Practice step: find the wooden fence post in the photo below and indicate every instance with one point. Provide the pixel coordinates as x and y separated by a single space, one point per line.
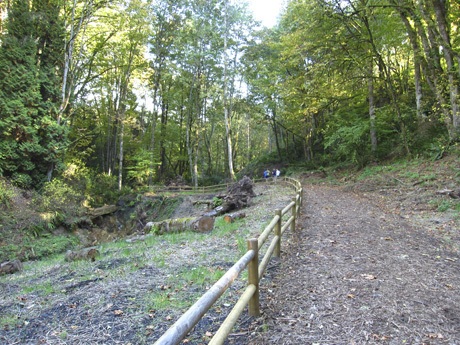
253 277
294 214
277 251
300 192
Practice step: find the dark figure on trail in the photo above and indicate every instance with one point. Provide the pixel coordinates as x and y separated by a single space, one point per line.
266 174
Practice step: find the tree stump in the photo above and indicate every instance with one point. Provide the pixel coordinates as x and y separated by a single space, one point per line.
89 253
238 196
10 267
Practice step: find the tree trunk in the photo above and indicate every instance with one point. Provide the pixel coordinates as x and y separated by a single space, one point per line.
417 61
120 157
389 84
434 71
373 131
441 13
228 132
230 218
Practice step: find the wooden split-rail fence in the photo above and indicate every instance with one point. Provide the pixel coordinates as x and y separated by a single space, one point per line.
256 268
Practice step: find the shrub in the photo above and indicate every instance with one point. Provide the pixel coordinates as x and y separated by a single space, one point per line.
7 194
103 189
58 203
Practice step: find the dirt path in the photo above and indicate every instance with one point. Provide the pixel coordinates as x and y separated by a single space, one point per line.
358 273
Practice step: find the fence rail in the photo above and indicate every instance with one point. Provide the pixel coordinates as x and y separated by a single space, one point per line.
256 270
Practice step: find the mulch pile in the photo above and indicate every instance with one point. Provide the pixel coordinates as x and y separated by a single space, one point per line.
356 272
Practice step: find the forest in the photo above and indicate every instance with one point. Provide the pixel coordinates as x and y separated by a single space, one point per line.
105 95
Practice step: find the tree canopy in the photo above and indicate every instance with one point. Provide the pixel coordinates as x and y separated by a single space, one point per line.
143 91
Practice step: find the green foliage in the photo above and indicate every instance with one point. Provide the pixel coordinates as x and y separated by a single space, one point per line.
216 201
94 189
59 196
438 150
7 194
32 139
142 168
9 252
103 189
35 248
211 180
350 143
59 204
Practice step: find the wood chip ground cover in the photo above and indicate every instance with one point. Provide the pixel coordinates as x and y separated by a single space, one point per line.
361 269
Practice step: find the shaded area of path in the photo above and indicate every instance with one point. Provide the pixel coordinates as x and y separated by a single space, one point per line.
356 273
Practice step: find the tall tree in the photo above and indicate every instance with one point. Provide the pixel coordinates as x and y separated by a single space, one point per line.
432 25
32 140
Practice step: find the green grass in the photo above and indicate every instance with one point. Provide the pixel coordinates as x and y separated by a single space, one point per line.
444 205
7 321
242 244
165 299
7 193
182 288
369 172
222 228
46 288
200 275
429 177
33 248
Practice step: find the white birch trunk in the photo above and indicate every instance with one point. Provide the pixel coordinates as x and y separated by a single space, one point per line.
226 103
373 131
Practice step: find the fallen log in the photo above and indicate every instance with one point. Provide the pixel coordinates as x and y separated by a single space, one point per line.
230 218
203 202
89 253
219 210
138 238
102 211
445 191
199 224
10 267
